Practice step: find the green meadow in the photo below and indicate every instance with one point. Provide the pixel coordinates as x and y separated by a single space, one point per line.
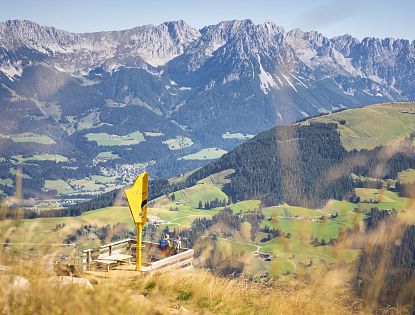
153 134
205 154
92 185
42 157
105 139
6 182
178 143
237 135
29 137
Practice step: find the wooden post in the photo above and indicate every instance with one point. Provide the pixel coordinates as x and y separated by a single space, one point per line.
129 247
88 259
75 254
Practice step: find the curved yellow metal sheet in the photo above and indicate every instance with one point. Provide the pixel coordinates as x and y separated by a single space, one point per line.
137 197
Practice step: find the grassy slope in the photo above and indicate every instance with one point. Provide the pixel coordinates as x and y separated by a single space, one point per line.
200 192
40 230
373 125
294 254
61 186
94 184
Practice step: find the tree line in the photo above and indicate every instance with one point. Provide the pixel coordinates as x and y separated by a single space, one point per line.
208 205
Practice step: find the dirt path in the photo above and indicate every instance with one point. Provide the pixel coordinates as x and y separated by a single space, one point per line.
257 252
238 242
178 218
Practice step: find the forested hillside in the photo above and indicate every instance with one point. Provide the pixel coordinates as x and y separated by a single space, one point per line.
303 165
285 164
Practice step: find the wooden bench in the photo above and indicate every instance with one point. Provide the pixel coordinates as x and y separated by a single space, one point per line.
119 258
113 260
106 262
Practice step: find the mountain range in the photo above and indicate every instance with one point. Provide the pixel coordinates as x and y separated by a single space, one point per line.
171 96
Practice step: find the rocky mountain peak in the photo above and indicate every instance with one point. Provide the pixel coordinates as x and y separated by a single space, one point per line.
15 33
230 65
182 31
344 43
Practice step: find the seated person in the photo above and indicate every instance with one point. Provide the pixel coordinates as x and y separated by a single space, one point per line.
164 244
177 245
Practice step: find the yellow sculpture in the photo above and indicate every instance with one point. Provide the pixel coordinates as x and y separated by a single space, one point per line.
137 197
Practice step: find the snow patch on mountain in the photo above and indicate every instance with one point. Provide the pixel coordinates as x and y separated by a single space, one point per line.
12 71
266 80
299 81
321 110
231 77
210 85
213 47
289 82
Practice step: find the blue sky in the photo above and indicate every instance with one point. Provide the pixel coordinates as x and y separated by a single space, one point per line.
359 18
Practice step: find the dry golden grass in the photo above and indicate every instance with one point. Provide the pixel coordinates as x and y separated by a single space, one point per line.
197 292
240 296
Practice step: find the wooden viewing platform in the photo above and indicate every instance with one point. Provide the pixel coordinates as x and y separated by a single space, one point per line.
124 252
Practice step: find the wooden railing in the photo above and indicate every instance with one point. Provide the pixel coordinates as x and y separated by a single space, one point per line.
153 258
183 260
120 247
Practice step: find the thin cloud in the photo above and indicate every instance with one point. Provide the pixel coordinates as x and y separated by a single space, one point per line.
326 15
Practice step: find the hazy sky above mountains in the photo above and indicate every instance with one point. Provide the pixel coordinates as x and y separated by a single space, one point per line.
360 18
